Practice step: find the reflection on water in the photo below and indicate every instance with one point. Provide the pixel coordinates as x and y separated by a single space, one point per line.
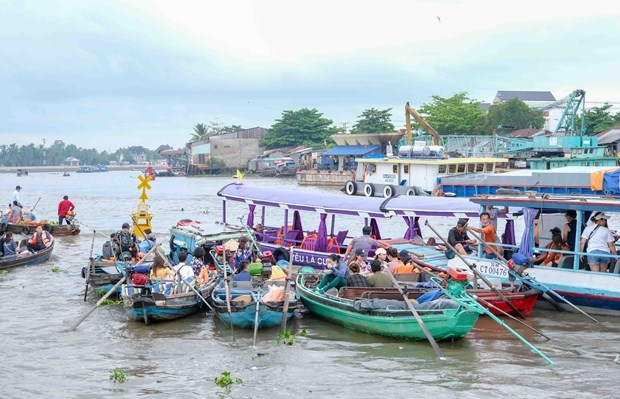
181 359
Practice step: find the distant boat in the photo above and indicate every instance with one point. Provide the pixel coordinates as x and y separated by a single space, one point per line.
91 169
66 174
22 172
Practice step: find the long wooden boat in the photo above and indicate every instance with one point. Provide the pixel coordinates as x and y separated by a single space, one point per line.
594 292
26 260
56 230
247 307
157 301
104 274
452 322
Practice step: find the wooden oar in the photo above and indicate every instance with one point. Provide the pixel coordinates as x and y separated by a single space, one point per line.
91 265
227 288
99 302
476 272
428 334
287 288
257 298
535 283
35 204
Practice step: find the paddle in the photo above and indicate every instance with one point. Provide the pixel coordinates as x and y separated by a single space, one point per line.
287 288
536 284
476 273
35 204
91 265
430 338
227 287
257 299
99 302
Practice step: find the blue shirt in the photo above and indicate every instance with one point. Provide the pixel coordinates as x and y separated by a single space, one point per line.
243 276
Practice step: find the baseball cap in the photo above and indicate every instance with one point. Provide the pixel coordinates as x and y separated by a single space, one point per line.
462 222
360 251
601 216
380 251
125 226
404 255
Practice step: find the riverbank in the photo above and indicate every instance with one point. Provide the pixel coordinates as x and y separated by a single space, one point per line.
62 169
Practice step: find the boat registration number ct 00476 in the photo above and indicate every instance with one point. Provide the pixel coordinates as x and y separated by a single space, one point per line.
493 270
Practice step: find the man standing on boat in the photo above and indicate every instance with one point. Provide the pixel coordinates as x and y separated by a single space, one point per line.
489 236
600 241
65 207
15 197
364 242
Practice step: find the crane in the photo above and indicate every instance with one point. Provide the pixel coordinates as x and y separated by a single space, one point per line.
571 104
429 129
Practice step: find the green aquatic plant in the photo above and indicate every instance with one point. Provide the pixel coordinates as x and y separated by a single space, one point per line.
118 375
111 302
56 269
225 379
4 272
289 338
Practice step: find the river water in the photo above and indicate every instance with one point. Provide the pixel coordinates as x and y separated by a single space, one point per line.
180 359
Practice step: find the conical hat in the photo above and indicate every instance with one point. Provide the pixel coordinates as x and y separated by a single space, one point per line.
231 245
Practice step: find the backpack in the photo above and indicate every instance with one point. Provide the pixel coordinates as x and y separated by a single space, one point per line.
126 240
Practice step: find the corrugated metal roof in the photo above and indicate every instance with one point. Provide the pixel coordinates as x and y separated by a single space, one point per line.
610 136
354 150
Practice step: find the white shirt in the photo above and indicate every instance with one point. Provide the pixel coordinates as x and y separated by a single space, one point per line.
15 196
600 239
185 270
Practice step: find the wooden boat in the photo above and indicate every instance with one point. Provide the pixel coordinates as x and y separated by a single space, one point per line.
594 292
55 229
448 323
26 260
104 274
160 301
247 306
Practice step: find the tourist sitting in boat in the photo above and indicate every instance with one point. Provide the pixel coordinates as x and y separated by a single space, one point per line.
149 242
243 252
181 269
393 259
9 245
197 262
109 248
40 240
359 258
159 270
22 248
365 242
243 274
489 236
16 213
355 279
459 240
600 241
337 274
379 278
406 265
381 254
551 258
127 243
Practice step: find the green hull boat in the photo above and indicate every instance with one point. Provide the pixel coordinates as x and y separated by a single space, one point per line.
399 322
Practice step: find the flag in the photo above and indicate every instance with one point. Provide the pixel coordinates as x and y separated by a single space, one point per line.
239 176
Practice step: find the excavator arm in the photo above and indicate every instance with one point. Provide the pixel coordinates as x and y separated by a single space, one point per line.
409 112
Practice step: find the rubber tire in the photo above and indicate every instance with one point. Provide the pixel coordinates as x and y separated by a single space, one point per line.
281 253
350 188
25 230
410 191
388 191
369 190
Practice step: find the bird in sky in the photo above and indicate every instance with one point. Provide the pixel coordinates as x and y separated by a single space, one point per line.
438 19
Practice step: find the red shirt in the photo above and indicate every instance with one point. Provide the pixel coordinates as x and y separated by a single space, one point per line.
65 206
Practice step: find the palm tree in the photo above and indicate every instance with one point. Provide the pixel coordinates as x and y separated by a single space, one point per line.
201 132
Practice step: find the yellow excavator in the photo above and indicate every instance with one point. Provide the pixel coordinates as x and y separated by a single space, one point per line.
409 112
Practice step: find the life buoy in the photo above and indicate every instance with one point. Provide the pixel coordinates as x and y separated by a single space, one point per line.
281 253
369 190
25 230
410 191
388 191
350 188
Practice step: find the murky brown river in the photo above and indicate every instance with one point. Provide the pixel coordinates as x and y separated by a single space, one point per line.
39 358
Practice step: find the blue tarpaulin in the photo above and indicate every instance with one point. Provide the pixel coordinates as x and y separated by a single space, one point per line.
611 182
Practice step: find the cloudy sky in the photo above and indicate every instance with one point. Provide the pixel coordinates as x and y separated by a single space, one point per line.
114 73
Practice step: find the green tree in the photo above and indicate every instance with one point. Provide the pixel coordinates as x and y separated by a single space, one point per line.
374 121
301 127
514 113
597 119
455 115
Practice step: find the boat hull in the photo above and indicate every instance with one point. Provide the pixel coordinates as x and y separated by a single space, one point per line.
56 230
10 261
444 324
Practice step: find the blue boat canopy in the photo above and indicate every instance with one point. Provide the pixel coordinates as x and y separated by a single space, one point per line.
353 150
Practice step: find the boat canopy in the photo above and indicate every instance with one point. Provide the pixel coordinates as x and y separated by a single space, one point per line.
430 206
353 150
